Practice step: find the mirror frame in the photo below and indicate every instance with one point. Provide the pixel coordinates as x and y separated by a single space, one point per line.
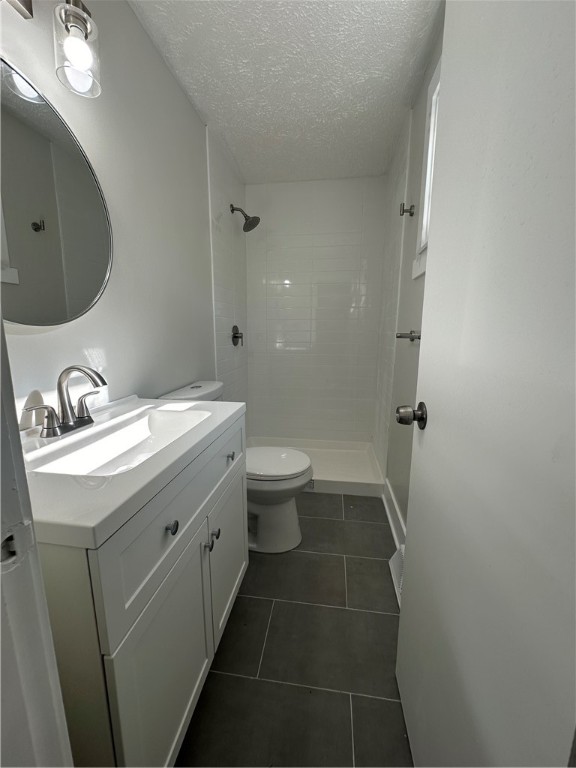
4 61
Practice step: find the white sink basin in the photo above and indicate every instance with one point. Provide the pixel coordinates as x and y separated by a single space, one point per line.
117 445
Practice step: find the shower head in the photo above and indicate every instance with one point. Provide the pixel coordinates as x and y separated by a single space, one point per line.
250 222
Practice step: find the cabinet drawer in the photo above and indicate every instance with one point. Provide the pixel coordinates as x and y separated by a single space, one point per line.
130 566
156 675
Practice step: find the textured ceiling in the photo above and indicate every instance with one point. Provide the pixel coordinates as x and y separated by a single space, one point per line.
298 89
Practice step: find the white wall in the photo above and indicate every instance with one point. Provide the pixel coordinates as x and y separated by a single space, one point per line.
83 229
314 296
228 269
29 195
153 328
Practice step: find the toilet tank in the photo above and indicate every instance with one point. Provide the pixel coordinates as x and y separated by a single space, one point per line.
198 390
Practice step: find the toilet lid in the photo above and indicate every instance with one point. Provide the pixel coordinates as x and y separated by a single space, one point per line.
269 463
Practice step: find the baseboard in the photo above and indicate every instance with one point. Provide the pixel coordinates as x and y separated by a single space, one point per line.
394 517
396 562
346 487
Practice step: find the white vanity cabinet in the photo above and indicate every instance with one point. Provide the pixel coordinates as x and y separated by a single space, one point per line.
155 676
136 621
228 561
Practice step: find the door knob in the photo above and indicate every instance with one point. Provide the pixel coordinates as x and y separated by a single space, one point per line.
407 415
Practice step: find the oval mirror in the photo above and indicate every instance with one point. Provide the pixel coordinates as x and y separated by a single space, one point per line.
56 247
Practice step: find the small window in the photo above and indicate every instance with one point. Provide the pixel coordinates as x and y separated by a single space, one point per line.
428 168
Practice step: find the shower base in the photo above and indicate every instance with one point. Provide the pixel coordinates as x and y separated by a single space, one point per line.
339 467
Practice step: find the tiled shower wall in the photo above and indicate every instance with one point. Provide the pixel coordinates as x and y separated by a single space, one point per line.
228 269
314 280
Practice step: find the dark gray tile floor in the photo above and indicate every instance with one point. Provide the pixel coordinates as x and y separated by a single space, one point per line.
304 675
303 576
320 505
332 648
346 537
242 721
369 585
241 646
379 733
364 508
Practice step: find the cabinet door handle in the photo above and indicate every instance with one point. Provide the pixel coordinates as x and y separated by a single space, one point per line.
214 535
231 456
173 527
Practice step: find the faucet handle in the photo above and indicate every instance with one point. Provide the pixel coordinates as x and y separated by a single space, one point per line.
52 426
82 411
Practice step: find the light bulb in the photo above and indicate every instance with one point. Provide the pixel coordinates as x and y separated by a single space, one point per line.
80 81
77 50
25 88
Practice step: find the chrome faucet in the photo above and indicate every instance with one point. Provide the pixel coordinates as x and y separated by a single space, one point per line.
69 419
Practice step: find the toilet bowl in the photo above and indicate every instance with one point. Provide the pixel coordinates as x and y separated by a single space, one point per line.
274 477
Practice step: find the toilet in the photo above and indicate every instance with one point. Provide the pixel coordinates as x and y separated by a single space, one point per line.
274 477
198 390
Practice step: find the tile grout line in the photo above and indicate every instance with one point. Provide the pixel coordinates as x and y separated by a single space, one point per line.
319 605
345 582
306 552
340 520
265 638
302 685
362 557
352 732
319 517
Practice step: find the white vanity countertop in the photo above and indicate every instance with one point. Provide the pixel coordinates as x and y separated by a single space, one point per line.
84 511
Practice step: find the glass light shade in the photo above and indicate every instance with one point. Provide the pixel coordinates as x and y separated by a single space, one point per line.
76 50
19 85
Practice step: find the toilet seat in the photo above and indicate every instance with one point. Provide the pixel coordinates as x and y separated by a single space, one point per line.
270 463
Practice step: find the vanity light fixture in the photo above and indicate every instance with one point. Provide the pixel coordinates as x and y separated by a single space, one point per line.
24 8
76 49
19 85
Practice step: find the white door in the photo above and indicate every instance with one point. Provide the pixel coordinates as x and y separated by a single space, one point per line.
486 656
33 724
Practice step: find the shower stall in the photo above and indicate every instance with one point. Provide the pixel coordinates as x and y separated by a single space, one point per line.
319 285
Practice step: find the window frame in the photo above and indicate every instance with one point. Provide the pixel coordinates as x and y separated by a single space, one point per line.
427 178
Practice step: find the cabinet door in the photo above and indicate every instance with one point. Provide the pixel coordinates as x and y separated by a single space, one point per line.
157 673
229 557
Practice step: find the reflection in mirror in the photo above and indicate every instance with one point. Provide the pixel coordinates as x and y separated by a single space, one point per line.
55 230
